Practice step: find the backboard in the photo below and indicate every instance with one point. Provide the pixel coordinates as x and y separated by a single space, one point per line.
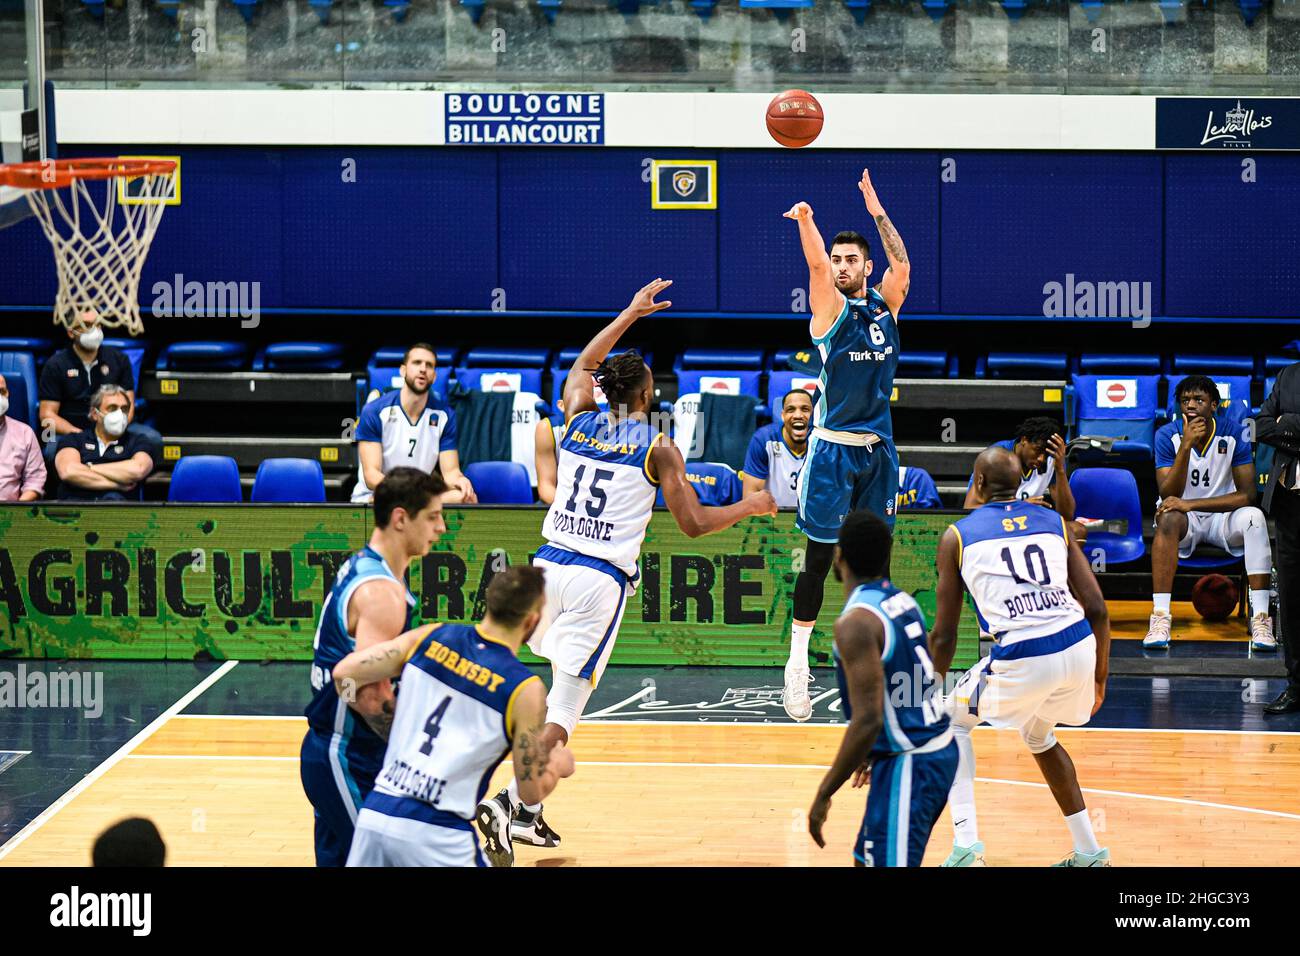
25 136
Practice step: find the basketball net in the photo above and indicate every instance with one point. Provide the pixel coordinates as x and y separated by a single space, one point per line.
100 240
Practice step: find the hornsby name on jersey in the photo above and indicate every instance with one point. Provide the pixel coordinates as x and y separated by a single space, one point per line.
463 667
593 529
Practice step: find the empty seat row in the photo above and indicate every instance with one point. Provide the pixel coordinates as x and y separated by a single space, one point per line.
215 478
1059 365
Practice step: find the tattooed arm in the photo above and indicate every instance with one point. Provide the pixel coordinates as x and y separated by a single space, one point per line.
377 611
897 280
538 766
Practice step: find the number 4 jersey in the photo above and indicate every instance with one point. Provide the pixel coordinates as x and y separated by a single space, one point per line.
604 494
453 726
1012 556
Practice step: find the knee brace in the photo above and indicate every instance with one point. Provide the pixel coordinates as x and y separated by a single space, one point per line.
1248 529
566 700
810 585
1039 736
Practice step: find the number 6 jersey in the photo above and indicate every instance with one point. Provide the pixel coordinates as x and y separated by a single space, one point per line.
604 494
1012 556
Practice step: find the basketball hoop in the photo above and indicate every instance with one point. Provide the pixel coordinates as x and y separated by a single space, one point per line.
98 262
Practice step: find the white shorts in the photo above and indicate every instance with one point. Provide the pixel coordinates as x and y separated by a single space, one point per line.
381 840
1209 529
1058 688
584 607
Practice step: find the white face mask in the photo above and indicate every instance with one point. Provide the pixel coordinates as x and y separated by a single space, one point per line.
90 340
4 405
115 423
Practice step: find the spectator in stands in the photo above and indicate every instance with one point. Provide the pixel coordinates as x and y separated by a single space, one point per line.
22 467
1278 424
413 429
916 489
1042 481
1206 478
776 452
134 841
546 449
71 377
105 462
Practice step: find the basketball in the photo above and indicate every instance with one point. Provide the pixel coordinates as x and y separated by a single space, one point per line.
1214 597
794 118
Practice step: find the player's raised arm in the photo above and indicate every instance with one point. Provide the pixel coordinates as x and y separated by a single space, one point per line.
375 662
579 395
824 299
693 518
947 611
1088 593
859 637
538 765
897 280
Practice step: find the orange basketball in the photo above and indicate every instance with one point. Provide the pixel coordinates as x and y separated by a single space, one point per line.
1215 597
794 118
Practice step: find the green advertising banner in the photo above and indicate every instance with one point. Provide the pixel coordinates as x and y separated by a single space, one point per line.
247 581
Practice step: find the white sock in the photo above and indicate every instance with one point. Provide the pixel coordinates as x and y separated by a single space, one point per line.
1160 602
961 798
1081 831
515 802
799 635
1259 601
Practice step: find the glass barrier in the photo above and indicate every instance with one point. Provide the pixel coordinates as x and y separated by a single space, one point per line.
1171 46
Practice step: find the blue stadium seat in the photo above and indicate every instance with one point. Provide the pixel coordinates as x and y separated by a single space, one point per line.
322 8
1215 560
95 8
299 357
564 360
41 349
205 478
475 8
781 8
704 8
1022 365
203 356
398 8
1120 407
1233 390
740 368
526 363
1269 366
289 481
1014 8
1111 494
859 9
779 383
247 8
500 482
935 8
1119 364
1212 365
135 350
926 365
549 8
19 370
501 379
169 7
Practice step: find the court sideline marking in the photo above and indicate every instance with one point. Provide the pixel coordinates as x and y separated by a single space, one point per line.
21 836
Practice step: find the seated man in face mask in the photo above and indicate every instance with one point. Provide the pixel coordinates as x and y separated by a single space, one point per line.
105 462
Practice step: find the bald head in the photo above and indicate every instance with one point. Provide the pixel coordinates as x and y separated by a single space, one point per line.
997 474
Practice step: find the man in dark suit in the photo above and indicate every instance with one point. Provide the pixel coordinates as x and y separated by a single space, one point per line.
1278 425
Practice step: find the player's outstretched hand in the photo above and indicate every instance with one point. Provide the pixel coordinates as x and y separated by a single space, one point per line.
643 303
761 503
817 818
869 195
800 210
862 776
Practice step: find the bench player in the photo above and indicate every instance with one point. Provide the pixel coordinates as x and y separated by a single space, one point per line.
610 465
369 604
851 463
1049 662
467 701
879 649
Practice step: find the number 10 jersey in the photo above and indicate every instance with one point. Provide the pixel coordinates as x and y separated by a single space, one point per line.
1012 556
604 494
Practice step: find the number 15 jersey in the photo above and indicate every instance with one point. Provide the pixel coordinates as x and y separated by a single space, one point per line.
604 494
1012 556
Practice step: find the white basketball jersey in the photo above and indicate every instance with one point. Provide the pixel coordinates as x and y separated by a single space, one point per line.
1209 470
412 444
603 492
1014 563
452 725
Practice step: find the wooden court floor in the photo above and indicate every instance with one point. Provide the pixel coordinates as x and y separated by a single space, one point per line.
225 791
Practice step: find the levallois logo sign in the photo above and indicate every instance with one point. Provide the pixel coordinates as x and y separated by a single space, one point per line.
1251 123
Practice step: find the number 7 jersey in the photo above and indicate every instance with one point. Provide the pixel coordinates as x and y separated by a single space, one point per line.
604 494
1012 556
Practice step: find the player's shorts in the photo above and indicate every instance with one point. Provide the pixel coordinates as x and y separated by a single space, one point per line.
907 794
836 480
585 600
402 840
336 776
1208 529
1025 693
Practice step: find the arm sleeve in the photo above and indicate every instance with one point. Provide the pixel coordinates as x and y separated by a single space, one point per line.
756 458
1165 447
447 441
370 428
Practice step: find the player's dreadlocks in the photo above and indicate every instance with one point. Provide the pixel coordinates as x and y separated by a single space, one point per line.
620 377
1038 430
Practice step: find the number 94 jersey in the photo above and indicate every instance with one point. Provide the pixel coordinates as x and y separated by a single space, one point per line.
604 494
1012 556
